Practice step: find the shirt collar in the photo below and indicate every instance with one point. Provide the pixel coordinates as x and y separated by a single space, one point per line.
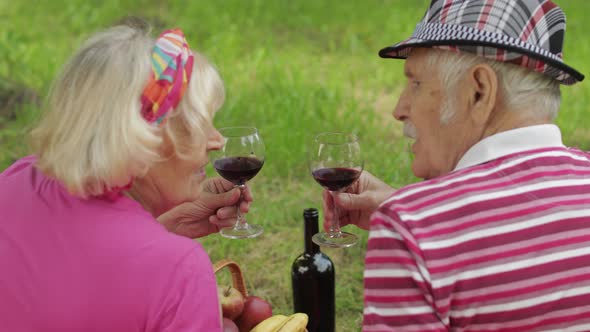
511 141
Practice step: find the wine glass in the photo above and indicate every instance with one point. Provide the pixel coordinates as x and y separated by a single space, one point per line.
335 163
240 159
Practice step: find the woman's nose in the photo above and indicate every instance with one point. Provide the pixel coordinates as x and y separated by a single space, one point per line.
215 141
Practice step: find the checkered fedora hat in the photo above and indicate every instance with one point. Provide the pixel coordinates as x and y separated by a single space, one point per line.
527 33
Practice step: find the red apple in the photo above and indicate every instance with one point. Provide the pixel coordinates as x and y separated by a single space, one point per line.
255 311
229 325
232 301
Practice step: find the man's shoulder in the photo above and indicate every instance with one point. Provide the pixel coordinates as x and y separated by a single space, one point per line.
433 187
575 151
516 167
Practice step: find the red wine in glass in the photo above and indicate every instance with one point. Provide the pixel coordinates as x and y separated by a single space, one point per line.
337 178
238 170
335 163
240 159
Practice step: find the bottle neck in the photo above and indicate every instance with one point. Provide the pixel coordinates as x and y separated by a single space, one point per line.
311 228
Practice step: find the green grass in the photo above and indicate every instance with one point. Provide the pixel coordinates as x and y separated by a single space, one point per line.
291 68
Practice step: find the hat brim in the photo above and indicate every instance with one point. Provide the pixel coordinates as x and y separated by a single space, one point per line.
560 71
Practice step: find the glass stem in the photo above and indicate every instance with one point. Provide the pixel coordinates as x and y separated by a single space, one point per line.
335 225
240 220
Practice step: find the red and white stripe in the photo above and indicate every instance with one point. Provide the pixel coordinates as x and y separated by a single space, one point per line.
504 245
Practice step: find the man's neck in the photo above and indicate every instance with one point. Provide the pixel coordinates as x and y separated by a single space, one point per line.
511 119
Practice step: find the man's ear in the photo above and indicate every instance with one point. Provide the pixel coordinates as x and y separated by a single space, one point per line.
482 92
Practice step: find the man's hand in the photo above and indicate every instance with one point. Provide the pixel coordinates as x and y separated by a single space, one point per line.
215 208
357 203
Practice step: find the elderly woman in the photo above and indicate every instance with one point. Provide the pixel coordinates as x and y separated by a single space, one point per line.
118 163
496 237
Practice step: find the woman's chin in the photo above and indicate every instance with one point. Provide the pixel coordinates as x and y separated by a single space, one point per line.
201 175
195 182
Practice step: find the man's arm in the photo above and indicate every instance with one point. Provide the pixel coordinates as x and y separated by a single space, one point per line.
358 202
398 289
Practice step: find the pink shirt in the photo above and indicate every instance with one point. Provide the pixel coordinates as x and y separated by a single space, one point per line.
68 264
500 244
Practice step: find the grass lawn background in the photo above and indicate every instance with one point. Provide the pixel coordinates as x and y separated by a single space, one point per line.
292 69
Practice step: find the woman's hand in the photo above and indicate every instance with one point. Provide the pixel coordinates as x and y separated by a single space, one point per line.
357 203
215 208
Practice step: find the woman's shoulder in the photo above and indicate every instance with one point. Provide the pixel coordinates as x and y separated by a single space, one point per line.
18 166
139 230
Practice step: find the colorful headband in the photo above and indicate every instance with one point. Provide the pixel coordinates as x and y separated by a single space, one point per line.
172 66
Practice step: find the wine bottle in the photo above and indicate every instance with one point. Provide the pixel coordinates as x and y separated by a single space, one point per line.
312 280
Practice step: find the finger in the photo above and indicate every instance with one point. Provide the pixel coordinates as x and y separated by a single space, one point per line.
225 184
196 230
217 185
226 212
327 205
215 201
247 194
245 207
348 217
222 223
348 201
343 215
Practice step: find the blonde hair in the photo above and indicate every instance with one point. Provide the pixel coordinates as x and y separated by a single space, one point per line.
521 87
92 137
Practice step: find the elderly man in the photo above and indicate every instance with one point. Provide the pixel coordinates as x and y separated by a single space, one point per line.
497 236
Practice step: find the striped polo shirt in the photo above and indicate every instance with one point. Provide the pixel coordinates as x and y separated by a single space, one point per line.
502 243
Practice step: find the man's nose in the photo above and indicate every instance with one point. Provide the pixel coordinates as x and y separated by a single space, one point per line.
401 110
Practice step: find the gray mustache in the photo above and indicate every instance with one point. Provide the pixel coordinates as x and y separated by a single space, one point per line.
410 130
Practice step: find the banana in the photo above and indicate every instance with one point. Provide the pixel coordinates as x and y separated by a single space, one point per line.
297 322
271 324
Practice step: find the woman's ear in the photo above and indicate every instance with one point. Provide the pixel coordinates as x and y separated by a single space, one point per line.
166 148
482 92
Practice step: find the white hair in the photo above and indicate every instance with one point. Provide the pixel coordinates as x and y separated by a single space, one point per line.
520 87
92 137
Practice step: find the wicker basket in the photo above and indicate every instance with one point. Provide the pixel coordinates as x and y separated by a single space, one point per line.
236 274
